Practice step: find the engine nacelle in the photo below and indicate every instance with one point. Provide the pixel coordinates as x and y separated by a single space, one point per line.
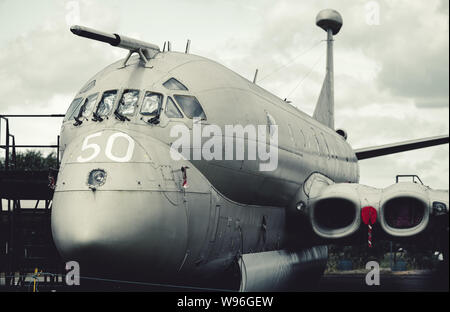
336 212
403 209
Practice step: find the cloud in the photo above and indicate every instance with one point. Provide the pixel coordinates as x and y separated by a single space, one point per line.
391 80
430 164
411 46
49 61
42 69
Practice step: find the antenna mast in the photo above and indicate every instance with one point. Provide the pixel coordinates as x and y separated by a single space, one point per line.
330 21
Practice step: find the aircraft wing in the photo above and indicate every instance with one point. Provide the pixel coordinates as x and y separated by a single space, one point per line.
381 150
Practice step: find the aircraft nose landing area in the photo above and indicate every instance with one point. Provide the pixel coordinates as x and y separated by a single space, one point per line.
110 209
105 230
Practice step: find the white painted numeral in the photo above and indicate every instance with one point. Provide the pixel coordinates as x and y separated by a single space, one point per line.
110 143
109 146
93 146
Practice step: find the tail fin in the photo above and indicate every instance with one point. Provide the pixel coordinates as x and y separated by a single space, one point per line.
324 111
331 22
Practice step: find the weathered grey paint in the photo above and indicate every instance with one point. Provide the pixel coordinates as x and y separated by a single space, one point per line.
141 222
211 220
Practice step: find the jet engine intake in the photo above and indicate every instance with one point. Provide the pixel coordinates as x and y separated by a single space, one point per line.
405 209
404 212
335 213
330 218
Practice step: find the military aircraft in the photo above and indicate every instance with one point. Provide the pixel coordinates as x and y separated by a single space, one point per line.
129 204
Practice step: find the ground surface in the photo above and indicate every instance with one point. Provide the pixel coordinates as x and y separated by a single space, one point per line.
350 281
408 281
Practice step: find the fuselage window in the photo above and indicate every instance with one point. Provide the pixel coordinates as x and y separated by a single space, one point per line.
151 105
88 106
173 84
106 103
190 106
172 110
74 106
128 102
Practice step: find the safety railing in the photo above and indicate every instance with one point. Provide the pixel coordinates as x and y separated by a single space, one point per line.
18 221
10 142
413 177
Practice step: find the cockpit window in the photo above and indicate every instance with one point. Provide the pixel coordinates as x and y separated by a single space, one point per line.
190 106
74 106
151 104
106 103
89 105
128 102
173 84
172 110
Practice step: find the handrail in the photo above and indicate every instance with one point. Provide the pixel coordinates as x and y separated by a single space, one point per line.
32 146
9 138
21 115
6 140
13 150
413 176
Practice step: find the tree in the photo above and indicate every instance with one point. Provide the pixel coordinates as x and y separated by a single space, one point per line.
31 160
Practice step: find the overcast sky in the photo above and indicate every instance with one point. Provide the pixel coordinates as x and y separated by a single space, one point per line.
391 63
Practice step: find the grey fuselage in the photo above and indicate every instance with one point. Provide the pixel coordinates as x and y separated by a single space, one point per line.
142 221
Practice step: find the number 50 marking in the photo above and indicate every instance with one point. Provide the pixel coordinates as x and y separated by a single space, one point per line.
108 150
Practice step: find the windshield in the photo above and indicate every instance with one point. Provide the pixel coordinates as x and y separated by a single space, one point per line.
171 109
151 104
173 84
190 106
74 107
107 103
128 102
88 105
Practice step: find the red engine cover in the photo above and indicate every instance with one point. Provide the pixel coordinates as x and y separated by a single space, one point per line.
369 215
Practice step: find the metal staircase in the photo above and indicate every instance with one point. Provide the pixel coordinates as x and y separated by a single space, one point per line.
26 242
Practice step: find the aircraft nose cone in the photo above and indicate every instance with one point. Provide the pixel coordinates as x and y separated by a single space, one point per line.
108 231
126 226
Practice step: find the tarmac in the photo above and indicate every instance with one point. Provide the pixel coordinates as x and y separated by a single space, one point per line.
405 281
344 281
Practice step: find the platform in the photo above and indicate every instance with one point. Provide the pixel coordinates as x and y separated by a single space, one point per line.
25 184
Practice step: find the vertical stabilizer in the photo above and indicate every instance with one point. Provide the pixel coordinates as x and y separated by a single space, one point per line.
331 22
